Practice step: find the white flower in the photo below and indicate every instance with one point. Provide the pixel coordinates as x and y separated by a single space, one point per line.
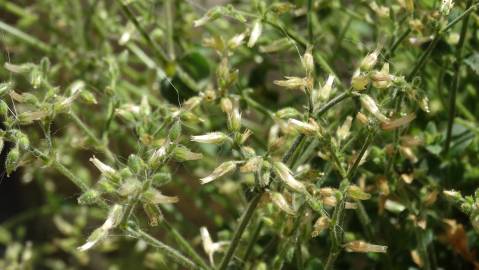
279 200
212 138
255 34
285 175
446 7
310 128
209 246
102 167
221 170
325 91
370 105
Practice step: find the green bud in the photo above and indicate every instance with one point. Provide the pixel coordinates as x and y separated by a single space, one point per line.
153 213
89 197
182 153
355 192
5 87
135 163
3 109
161 178
20 139
287 113
11 162
175 131
88 97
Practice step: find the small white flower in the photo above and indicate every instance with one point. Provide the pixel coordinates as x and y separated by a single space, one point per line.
255 34
212 138
279 200
102 167
221 170
325 91
370 105
370 60
209 246
286 176
310 128
154 196
236 41
446 7
343 132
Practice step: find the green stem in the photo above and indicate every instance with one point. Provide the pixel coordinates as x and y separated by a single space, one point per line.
455 81
310 21
30 40
167 250
169 16
185 245
98 143
240 229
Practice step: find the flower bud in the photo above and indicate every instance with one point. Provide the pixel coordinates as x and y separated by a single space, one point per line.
234 120
343 131
361 246
89 197
255 33
153 213
175 131
293 83
357 193
3 109
6 87
320 225
159 155
382 79
285 175
308 62
279 200
154 196
236 41
28 117
210 16
211 138
102 167
20 139
221 170
369 104
88 97
182 153
287 113
446 6
370 60
129 187
135 163
327 88
310 128
359 81
226 105
11 162
252 165
396 123
453 195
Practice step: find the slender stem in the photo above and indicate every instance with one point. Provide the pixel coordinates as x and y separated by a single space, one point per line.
455 81
252 241
169 16
167 250
30 40
240 229
310 21
336 232
185 245
98 143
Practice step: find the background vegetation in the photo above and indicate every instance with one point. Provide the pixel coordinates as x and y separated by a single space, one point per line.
188 134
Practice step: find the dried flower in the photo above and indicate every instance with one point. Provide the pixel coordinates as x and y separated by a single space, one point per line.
182 153
279 200
327 88
154 196
221 170
357 193
252 165
396 123
343 131
293 83
370 105
209 246
361 246
320 225
286 176
359 81
370 60
310 128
